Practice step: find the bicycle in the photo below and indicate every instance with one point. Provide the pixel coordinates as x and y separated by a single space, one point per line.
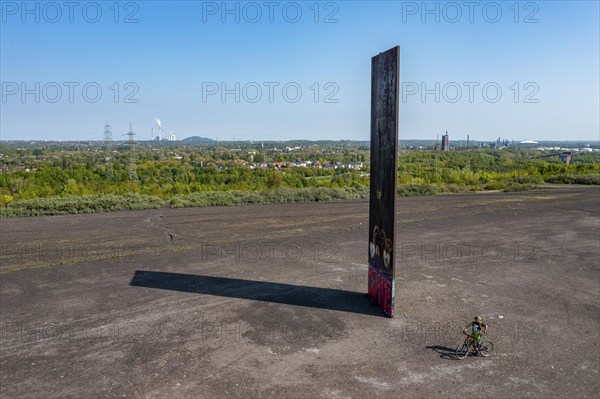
470 345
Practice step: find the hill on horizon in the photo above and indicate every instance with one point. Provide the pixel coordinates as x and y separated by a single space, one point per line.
198 140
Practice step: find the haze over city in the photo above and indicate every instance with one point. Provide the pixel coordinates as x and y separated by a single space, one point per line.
250 71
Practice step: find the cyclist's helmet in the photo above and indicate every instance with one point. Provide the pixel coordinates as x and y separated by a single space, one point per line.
478 319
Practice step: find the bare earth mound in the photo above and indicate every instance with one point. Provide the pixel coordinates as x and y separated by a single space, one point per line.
269 301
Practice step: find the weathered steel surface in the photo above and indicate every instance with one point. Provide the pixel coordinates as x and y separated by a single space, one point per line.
385 75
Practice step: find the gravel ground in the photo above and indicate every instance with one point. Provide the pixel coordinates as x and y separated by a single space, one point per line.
269 301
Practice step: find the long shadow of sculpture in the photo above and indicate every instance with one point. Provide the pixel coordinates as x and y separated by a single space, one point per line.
298 295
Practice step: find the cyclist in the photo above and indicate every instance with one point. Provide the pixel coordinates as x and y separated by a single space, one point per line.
477 328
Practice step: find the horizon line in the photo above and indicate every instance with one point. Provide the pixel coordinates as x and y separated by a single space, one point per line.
289 140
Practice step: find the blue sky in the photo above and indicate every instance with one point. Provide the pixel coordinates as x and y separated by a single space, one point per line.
501 69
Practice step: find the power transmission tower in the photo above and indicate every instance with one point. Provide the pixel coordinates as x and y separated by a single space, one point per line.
132 168
437 137
108 151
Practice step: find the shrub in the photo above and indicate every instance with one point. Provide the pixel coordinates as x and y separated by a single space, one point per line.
79 204
573 179
278 196
414 190
513 187
495 185
527 179
112 202
450 188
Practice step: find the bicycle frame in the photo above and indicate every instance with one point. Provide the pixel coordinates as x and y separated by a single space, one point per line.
473 342
472 346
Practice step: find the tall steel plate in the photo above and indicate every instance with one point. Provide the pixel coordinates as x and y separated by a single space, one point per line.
385 75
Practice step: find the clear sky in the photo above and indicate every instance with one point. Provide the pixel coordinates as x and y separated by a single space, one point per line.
271 70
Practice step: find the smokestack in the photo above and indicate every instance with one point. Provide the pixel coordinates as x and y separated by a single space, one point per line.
160 130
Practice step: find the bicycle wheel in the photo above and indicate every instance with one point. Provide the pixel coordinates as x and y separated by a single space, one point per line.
462 350
486 348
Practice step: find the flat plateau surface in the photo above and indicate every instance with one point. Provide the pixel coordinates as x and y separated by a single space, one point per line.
269 301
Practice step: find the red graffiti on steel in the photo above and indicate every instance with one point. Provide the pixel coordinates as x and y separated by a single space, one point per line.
380 289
